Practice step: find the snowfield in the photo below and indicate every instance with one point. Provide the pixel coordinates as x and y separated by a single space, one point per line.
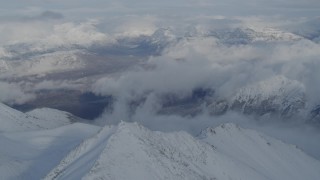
130 151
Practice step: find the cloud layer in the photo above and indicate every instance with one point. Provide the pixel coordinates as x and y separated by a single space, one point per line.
12 93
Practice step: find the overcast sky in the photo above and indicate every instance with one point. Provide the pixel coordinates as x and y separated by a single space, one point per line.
84 8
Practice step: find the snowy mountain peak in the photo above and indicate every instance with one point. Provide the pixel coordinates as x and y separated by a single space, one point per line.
131 151
277 95
12 120
276 86
270 34
246 35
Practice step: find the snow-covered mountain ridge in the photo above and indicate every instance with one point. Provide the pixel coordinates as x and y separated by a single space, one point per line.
246 35
131 151
276 95
22 59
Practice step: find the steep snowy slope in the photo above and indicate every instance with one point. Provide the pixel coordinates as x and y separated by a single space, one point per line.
81 159
267 156
28 150
32 154
130 151
13 120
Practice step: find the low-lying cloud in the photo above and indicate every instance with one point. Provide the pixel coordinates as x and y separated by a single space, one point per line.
199 62
266 69
12 93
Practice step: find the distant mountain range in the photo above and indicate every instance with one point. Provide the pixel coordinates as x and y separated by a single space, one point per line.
286 98
26 56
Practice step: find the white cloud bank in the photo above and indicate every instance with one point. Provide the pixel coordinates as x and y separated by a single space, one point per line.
202 62
286 69
12 93
42 36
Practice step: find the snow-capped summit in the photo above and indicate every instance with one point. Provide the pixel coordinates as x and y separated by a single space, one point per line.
275 95
131 151
271 34
246 35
